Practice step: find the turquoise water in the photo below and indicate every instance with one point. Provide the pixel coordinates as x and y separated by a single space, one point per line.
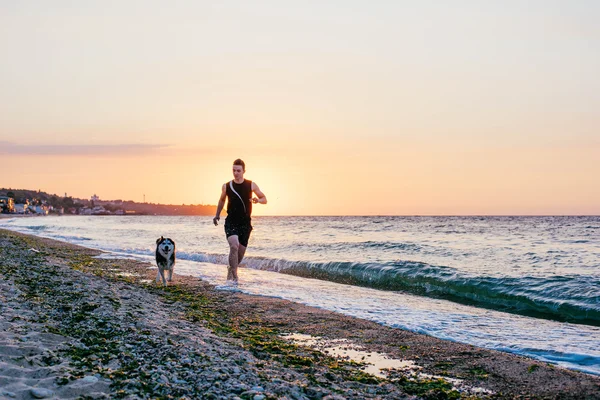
508 283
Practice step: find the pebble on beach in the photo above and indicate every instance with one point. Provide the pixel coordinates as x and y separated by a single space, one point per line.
40 393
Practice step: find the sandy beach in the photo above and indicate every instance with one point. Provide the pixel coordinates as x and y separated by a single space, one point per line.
78 326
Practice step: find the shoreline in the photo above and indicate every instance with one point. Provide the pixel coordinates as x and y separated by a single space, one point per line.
249 327
2 215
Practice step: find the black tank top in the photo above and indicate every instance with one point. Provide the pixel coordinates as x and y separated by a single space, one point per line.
239 210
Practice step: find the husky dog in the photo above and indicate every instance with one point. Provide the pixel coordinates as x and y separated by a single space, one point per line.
165 258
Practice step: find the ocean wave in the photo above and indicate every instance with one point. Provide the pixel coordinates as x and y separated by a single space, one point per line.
580 362
564 298
75 239
341 246
368 245
203 257
388 245
36 228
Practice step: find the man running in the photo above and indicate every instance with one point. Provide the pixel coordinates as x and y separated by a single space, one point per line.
239 210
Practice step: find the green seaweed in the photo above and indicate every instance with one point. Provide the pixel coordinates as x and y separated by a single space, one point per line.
479 372
429 389
533 368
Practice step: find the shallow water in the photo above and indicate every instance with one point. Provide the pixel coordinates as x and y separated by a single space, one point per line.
375 363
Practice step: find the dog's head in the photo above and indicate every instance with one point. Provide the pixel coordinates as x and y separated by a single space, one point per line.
165 246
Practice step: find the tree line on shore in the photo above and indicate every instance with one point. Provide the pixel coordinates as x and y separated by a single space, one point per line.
73 205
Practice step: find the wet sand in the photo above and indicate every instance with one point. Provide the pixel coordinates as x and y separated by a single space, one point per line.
74 324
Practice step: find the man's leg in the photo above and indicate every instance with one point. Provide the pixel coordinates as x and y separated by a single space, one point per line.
241 252
234 248
243 238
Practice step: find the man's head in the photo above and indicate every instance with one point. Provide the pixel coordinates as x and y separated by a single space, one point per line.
239 167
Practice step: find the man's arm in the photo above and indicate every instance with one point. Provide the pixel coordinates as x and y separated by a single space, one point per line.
262 199
220 205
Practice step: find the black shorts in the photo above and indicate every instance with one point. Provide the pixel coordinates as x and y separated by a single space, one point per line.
241 230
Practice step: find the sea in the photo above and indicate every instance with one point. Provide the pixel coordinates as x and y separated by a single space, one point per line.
524 285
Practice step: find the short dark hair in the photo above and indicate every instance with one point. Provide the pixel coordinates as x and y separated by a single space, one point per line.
240 162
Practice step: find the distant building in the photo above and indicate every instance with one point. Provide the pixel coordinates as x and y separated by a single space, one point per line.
41 210
99 210
85 211
7 204
95 198
21 208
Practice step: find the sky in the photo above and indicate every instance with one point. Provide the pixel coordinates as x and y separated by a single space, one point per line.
337 107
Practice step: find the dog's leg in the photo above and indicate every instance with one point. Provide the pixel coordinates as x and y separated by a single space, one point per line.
162 275
170 278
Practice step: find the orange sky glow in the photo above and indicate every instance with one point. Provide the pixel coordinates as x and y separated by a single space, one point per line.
400 108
